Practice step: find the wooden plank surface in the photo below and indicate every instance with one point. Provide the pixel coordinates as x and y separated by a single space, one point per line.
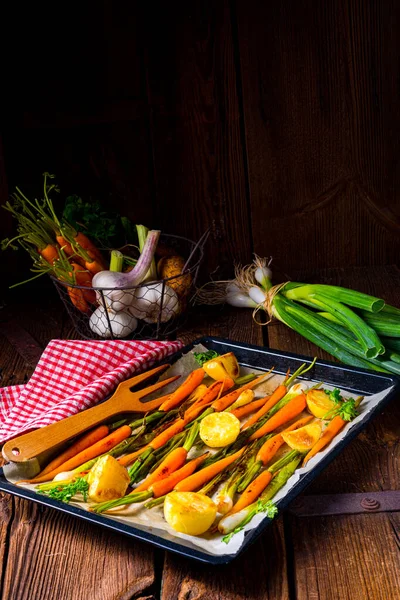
319 113
196 128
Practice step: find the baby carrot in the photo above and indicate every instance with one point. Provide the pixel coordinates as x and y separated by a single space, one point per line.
285 414
245 410
96 449
277 395
87 244
49 253
200 478
86 440
214 391
162 487
172 462
167 434
184 390
83 277
252 492
225 401
332 429
78 300
271 446
65 245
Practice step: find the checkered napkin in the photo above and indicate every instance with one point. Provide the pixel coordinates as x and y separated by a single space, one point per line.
73 375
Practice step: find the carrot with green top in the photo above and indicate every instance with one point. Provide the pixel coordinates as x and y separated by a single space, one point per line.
200 478
252 492
291 410
281 394
341 415
223 403
93 451
243 411
83 442
172 462
184 390
215 390
272 445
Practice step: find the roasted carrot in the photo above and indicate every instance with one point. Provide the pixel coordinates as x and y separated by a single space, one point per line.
271 446
168 433
86 440
93 451
129 458
162 487
252 492
327 436
293 408
212 392
277 395
245 410
184 390
200 478
172 462
225 401
49 253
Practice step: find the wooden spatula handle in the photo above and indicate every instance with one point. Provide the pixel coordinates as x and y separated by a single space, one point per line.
35 442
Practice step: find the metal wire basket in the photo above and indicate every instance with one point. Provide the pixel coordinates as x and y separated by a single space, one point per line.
163 303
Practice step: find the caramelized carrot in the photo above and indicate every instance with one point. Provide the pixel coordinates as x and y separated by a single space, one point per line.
293 408
245 410
86 440
252 492
167 434
329 433
225 401
213 391
200 478
172 462
184 390
100 447
277 395
160 488
271 446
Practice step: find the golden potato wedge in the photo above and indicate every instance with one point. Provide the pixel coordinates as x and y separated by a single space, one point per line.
108 480
189 512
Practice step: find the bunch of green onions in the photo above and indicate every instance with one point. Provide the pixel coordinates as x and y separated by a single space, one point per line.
357 329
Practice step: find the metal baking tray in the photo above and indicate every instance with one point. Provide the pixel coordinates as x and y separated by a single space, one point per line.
351 379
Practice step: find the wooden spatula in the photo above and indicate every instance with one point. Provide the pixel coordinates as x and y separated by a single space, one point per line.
123 400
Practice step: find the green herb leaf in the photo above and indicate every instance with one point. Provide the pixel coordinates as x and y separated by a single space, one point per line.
334 395
266 506
65 492
348 410
203 357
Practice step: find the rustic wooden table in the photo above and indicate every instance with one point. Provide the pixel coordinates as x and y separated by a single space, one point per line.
47 555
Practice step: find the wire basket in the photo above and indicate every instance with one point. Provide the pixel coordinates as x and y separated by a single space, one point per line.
162 306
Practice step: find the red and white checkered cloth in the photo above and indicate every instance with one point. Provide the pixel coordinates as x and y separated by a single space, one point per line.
72 375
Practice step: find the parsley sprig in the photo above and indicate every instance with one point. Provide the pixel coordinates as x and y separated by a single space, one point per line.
203 357
346 409
64 492
261 506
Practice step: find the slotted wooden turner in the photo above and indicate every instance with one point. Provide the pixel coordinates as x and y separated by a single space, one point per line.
32 444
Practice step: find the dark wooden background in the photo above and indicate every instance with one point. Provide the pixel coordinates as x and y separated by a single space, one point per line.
276 124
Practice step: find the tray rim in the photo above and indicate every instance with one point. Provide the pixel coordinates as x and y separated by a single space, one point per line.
198 554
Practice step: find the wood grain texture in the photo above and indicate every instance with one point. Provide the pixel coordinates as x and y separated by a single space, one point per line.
320 114
262 572
66 558
196 128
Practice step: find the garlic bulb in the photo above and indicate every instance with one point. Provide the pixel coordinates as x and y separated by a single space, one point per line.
122 323
147 302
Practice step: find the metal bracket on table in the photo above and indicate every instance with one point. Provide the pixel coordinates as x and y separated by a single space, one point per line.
345 504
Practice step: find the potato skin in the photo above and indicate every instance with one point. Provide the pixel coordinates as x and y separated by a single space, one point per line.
189 512
171 266
108 480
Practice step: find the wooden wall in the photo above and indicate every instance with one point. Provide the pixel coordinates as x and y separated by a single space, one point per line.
276 124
